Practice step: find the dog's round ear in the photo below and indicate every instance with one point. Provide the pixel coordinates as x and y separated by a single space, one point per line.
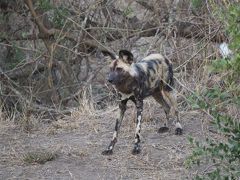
126 56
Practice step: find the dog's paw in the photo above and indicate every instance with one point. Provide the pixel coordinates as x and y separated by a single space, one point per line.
163 129
107 152
178 131
136 150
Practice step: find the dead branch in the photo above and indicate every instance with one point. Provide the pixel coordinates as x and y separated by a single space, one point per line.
24 101
29 68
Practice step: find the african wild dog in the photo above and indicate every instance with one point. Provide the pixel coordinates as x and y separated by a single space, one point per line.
153 76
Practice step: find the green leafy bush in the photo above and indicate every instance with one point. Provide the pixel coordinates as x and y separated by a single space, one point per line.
14 57
45 5
197 3
57 15
223 154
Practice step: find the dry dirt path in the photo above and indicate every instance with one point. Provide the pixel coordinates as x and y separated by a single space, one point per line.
78 142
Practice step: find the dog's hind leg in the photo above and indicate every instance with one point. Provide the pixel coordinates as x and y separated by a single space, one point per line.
166 106
174 110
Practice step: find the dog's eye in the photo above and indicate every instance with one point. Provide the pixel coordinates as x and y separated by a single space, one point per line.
119 69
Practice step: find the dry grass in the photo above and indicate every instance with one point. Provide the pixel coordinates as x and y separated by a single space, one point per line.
82 136
79 139
86 101
39 156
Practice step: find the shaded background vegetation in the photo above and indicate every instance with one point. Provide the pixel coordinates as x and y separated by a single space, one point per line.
51 55
52 50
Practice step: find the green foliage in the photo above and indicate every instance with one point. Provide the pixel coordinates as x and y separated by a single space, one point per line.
197 102
14 57
220 65
197 3
234 32
45 5
3 20
223 154
128 12
59 17
233 24
3 35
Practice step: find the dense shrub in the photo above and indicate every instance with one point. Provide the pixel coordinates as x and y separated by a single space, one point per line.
222 154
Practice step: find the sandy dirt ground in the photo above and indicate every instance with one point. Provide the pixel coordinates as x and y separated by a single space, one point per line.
79 140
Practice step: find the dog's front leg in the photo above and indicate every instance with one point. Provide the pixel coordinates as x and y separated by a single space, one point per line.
139 105
122 109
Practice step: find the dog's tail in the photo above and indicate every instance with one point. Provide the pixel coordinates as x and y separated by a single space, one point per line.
170 80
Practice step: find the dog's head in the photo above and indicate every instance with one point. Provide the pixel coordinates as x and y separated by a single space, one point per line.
120 68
